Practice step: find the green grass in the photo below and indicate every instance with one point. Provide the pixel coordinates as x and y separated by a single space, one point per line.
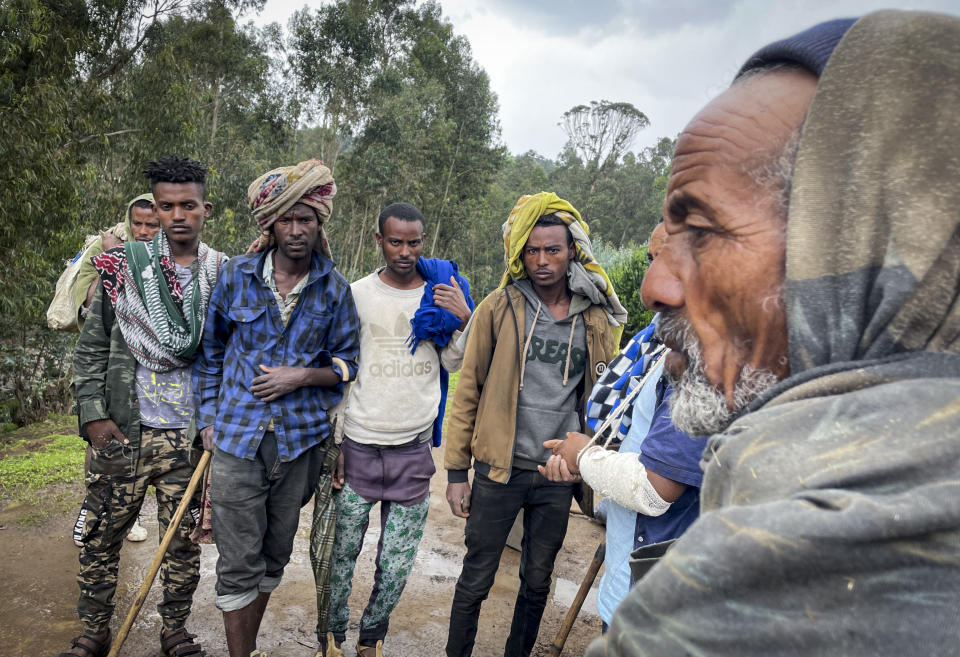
59 460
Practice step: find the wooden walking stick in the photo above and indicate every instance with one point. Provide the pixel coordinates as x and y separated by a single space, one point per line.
588 579
158 557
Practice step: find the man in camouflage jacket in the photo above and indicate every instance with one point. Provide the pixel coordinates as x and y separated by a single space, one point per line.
132 374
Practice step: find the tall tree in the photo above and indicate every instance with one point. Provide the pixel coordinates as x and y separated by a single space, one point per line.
412 111
602 132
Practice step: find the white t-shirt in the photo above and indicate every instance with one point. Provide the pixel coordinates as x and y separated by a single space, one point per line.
395 397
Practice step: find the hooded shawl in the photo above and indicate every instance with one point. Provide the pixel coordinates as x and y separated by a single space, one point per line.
830 510
585 276
88 273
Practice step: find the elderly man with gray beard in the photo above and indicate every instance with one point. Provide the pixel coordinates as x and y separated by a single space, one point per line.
808 291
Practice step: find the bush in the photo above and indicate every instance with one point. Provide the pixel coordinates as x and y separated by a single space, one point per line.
35 376
627 274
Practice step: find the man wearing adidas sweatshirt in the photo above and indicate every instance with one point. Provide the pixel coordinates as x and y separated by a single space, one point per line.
390 420
555 307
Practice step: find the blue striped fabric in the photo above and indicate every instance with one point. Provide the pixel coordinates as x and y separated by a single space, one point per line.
244 330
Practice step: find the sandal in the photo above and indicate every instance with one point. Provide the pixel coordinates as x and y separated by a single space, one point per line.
179 643
92 647
333 650
377 649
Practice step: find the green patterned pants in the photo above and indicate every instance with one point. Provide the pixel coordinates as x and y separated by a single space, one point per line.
116 486
401 528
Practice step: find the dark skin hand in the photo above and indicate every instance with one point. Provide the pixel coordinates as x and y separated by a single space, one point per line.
338 473
278 381
206 435
458 497
562 466
450 297
101 432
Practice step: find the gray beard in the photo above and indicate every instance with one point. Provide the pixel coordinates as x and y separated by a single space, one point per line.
697 407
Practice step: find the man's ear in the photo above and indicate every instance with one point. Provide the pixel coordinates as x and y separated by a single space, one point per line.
379 239
207 208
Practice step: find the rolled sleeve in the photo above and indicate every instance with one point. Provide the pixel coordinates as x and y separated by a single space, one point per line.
343 336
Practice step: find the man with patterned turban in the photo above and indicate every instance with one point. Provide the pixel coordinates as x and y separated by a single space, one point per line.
827 377
558 312
282 339
132 376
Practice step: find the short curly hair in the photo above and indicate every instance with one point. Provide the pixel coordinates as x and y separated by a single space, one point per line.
173 169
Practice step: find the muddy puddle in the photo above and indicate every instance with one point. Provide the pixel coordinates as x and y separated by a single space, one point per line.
38 608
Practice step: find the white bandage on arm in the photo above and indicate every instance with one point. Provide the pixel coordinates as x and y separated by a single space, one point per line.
622 478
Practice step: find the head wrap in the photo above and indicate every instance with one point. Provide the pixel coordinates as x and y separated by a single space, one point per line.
126 217
585 275
841 492
810 49
278 190
87 273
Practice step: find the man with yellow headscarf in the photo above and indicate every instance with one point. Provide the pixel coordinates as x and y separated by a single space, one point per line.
535 348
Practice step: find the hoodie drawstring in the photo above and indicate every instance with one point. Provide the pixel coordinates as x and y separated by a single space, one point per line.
566 367
526 344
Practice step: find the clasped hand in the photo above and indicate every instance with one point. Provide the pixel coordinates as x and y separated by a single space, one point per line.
562 464
450 297
276 382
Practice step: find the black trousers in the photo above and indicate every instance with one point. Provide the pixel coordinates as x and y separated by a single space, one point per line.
493 510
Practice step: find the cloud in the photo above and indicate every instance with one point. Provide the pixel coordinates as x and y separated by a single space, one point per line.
666 58
575 18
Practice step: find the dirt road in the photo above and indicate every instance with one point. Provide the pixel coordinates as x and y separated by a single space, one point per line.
39 567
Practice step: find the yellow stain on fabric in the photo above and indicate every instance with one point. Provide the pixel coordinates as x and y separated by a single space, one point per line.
766 538
681 566
948 412
850 452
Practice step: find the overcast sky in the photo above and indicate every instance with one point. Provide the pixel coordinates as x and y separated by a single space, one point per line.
668 58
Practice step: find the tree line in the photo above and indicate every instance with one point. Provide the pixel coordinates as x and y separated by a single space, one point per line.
384 91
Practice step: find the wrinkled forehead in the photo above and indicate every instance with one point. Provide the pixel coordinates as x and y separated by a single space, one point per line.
744 124
300 211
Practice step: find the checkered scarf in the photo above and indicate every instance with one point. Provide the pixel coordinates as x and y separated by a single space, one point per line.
161 322
613 386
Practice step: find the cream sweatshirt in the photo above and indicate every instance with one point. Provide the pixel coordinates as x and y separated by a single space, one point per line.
395 397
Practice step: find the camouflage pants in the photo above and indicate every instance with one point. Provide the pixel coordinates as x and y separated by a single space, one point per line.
116 486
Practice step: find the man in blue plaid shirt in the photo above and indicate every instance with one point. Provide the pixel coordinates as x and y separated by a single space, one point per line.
282 338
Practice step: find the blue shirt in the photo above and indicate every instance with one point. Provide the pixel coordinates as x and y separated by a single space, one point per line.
244 330
621 521
675 455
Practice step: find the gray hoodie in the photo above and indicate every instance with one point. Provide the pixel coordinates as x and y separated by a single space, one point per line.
550 377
